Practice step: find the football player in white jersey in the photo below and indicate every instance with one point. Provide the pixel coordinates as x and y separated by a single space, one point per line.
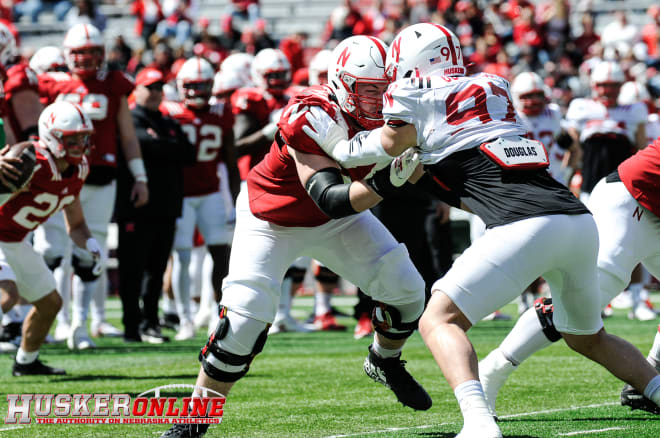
541 118
607 133
466 133
633 92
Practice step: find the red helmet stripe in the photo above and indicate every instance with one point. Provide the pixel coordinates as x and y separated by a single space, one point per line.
82 117
450 42
86 32
381 49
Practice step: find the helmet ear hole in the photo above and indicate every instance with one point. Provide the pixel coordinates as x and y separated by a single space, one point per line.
408 74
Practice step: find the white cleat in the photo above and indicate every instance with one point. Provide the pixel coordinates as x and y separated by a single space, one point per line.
202 319
642 313
494 369
104 328
287 324
186 331
79 339
62 332
477 429
7 347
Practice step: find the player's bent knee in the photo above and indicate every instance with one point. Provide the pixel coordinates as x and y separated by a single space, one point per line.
396 280
232 346
544 311
49 304
397 322
84 269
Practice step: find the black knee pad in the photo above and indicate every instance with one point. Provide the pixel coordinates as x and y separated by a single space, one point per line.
227 357
387 321
84 272
325 275
544 310
297 275
53 263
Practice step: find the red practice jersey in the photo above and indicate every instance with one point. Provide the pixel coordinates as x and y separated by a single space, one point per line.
204 129
48 192
19 77
257 104
99 98
641 176
276 194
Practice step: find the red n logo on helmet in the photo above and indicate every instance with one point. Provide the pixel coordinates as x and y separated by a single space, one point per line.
396 49
343 57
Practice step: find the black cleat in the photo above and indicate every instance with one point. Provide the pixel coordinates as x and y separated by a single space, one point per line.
632 398
392 373
170 321
35 368
186 431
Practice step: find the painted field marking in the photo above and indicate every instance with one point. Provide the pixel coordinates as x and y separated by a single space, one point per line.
584 432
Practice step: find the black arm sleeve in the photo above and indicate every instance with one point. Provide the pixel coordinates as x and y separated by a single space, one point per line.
328 190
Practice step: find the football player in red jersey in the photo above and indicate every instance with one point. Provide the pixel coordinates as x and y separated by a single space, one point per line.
60 171
103 97
203 205
296 203
255 107
21 89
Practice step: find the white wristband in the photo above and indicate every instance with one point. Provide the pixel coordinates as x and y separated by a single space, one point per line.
269 130
136 166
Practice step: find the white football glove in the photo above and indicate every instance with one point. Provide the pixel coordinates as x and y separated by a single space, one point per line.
97 253
403 166
324 130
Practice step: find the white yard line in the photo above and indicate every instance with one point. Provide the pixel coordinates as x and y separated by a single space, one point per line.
584 432
11 428
523 414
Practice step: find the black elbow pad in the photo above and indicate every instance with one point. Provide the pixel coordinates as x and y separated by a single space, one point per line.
329 192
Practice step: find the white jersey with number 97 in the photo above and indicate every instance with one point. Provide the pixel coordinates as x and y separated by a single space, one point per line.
453 113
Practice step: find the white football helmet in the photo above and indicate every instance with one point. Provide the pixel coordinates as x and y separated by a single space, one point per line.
226 82
84 50
8 50
48 58
633 92
271 71
606 80
356 73
195 82
241 63
65 130
424 49
318 67
529 93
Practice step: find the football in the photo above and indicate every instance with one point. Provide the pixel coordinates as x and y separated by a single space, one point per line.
25 151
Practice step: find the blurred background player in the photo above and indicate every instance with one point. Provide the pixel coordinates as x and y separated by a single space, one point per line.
102 95
204 205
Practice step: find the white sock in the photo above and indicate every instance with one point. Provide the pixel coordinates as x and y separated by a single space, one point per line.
181 284
25 357
471 399
168 304
321 303
384 352
654 354
99 295
62 276
525 339
83 291
652 390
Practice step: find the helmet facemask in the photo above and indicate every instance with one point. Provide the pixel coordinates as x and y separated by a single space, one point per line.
533 103
365 99
196 94
607 93
86 61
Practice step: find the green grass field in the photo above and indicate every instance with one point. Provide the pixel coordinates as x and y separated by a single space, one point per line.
312 385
